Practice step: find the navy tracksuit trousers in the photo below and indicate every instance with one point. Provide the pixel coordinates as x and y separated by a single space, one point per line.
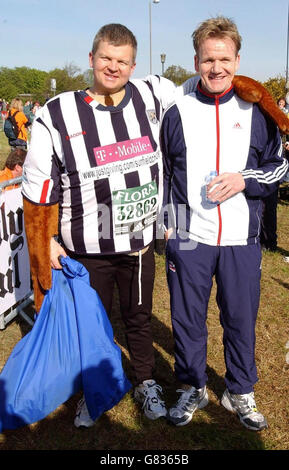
237 271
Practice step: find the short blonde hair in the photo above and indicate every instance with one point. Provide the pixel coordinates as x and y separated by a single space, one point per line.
219 27
117 35
16 103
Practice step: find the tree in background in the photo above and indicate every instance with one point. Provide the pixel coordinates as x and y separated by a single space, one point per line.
177 74
67 79
25 80
20 80
276 86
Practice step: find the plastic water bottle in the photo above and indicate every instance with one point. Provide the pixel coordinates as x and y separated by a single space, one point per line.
208 179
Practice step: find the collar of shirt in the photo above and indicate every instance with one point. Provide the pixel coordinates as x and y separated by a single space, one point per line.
208 98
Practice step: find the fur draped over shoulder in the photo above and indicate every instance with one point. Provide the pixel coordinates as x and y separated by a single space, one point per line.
252 91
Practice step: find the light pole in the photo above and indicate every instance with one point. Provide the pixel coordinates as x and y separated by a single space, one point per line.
150 24
163 59
53 85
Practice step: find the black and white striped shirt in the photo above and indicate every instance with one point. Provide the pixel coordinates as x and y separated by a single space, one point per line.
103 166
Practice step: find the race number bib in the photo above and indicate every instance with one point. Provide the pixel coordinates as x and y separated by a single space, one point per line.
134 209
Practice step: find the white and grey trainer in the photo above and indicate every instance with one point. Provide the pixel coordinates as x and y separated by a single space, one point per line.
190 400
245 407
82 417
148 394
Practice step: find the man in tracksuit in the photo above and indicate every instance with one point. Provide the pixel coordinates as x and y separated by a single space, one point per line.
213 226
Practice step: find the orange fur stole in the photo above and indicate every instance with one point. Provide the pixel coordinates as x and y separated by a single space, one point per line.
252 91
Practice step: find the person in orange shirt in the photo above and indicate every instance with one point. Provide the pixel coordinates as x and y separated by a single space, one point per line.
4 113
16 110
13 167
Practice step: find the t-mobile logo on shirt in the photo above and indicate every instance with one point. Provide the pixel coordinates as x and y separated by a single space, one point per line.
122 150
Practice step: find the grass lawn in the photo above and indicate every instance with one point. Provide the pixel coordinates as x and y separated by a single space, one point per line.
212 428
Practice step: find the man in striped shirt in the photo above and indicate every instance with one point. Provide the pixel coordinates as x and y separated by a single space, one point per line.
96 154
221 156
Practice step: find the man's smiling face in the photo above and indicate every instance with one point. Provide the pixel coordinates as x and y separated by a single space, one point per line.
112 67
217 62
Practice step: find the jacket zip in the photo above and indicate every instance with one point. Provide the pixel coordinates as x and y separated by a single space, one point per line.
218 165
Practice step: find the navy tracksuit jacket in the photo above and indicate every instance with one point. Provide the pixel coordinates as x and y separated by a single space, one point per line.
201 133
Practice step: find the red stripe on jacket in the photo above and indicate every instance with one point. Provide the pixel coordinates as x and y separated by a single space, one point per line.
44 191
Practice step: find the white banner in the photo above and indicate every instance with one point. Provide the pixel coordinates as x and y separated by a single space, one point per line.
14 260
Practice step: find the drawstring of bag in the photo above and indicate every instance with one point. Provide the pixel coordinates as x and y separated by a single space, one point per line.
139 277
139 253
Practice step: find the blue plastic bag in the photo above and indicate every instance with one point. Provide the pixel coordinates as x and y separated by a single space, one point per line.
69 348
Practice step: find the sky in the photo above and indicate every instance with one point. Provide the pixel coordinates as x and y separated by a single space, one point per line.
46 34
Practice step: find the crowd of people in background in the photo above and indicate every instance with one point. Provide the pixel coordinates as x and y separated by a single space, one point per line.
29 109
24 116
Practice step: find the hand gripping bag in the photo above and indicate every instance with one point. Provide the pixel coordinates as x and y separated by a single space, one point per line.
69 348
